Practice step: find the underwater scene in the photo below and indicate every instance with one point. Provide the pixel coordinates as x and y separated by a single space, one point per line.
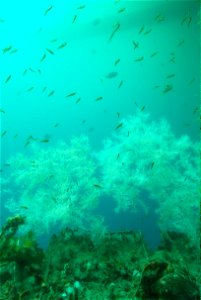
100 150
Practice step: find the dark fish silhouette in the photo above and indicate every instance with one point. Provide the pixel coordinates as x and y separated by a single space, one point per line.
114 31
48 9
111 75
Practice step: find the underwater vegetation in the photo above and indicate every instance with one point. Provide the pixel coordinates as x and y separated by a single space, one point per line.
147 156
55 186
62 185
20 260
117 266
100 128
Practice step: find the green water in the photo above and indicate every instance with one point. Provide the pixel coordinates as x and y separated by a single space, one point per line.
72 68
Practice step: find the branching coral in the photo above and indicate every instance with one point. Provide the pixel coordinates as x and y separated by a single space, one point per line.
55 185
146 156
59 185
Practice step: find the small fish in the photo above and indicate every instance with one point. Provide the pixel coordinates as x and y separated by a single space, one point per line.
13 51
111 75
121 10
78 100
51 176
30 89
74 19
7 49
167 88
62 46
141 29
119 126
117 61
148 31
143 107
172 57
136 104
32 70
172 60
152 165
81 6
44 141
120 84
39 71
159 18
48 10
24 73
16 135
197 108
2 111
8 78
191 81
50 51
23 207
98 186
135 44
27 143
71 94
28 140
141 58
43 57
3 133
154 54
53 41
51 93
99 98
117 26
170 76
56 125
186 20
44 89
117 155
2 21
180 43
118 114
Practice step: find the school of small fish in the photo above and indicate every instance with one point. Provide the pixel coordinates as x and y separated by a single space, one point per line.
113 75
